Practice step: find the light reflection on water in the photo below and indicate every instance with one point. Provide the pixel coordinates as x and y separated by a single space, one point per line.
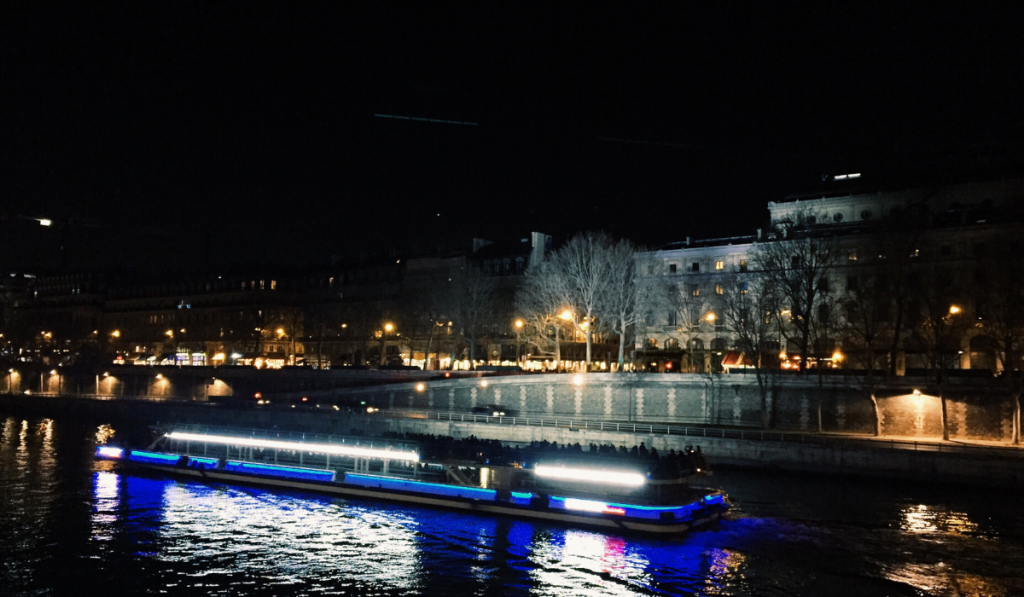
149 535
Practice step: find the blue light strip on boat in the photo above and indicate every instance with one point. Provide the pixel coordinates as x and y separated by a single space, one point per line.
153 457
203 463
713 500
523 499
285 472
441 489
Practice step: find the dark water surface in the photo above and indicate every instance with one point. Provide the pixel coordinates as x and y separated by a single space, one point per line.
70 525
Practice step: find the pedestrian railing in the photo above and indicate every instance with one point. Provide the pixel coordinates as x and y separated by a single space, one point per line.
697 432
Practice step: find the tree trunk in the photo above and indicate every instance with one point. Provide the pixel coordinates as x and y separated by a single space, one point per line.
819 411
942 405
805 334
472 354
590 332
878 415
895 338
558 350
1016 419
320 349
622 350
426 355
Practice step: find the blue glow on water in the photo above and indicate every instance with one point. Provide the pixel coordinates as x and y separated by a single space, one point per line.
203 463
713 500
153 457
284 472
440 489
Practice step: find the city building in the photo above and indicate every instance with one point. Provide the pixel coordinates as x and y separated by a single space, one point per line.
956 237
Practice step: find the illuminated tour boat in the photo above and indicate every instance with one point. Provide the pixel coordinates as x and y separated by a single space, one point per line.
664 500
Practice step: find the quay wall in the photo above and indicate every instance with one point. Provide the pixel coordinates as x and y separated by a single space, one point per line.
976 409
993 467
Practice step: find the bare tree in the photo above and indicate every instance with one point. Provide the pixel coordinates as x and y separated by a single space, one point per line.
584 268
751 311
621 305
1000 312
941 324
474 302
540 301
798 270
865 328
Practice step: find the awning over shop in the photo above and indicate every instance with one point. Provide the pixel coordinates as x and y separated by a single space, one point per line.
735 359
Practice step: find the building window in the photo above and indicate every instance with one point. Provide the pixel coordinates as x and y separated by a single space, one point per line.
852 256
695 267
837 218
743 265
672 318
694 290
719 265
719 289
851 283
865 215
671 268
744 287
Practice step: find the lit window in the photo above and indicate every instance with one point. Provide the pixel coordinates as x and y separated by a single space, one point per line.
743 265
719 289
852 256
695 290
273 284
719 265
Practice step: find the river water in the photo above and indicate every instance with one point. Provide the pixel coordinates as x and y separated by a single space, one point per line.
70 525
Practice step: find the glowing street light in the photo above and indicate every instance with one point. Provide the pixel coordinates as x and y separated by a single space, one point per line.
519 343
389 327
116 333
566 315
710 317
169 333
954 309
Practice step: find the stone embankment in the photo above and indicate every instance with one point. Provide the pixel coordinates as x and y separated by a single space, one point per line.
939 462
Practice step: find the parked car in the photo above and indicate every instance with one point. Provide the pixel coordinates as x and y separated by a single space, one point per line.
494 410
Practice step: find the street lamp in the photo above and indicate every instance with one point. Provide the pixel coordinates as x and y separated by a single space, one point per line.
519 344
388 328
954 309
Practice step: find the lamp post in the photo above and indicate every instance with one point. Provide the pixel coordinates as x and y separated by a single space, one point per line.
388 328
519 344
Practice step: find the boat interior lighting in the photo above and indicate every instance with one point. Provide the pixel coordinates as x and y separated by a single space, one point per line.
590 475
109 452
334 449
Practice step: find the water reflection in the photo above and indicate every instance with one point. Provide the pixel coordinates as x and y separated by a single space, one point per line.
64 515
931 519
229 532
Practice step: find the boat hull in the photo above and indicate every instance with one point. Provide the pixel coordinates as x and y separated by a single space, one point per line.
464 505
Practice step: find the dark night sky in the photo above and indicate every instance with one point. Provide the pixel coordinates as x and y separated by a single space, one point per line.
246 131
